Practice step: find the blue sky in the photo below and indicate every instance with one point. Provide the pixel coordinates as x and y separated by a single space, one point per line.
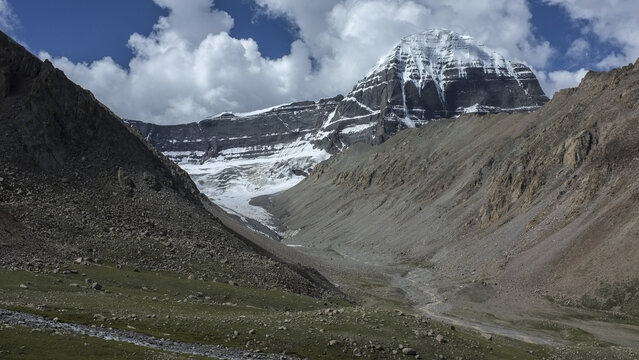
554 24
85 31
240 55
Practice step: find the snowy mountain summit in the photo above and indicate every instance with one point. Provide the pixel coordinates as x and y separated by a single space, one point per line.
428 55
432 75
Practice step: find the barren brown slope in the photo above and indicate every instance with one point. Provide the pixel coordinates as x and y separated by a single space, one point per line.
76 182
547 201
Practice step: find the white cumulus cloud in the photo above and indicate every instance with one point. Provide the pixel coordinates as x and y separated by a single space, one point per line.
189 67
8 18
347 37
615 21
553 81
578 49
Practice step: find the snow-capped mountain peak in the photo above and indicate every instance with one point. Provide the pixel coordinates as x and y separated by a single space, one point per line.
432 49
434 74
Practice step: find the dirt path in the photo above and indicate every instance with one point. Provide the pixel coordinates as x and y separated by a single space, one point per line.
416 286
213 351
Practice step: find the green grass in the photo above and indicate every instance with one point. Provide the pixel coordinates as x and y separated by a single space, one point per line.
172 306
26 344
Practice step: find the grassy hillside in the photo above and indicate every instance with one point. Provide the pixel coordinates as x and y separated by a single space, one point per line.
171 306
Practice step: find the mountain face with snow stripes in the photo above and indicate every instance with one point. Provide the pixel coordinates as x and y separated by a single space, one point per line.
235 157
248 135
432 75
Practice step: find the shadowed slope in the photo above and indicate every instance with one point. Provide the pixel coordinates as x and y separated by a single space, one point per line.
75 182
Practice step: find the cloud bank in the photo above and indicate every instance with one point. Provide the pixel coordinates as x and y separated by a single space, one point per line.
8 18
189 67
615 21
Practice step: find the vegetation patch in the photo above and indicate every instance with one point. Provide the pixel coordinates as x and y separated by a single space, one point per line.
172 306
29 344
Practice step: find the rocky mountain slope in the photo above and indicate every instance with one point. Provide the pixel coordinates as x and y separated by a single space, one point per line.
77 183
546 202
432 75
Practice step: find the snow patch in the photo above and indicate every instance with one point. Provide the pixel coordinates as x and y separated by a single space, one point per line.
357 128
493 109
231 180
250 113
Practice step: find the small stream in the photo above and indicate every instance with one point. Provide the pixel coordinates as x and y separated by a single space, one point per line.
213 351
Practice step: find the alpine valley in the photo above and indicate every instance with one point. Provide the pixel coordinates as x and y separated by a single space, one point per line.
433 75
445 208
